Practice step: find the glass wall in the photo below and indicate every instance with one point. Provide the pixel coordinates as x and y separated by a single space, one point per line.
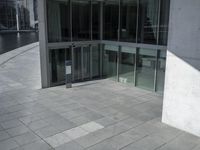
161 71
110 19
143 21
127 65
86 62
164 19
57 63
77 64
128 20
146 63
81 18
95 62
58 15
148 21
133 21
110 60
95 20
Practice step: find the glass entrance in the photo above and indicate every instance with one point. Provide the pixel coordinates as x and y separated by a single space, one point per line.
82 63
77 64
110 60
127 65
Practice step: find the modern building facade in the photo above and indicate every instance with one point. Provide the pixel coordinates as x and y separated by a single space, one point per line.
16 15
124 40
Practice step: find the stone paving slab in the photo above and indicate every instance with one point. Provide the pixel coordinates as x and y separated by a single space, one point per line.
94 115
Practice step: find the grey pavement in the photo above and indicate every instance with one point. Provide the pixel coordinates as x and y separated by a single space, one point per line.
94 115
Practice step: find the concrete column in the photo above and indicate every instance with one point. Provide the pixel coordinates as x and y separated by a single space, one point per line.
44 54
181 106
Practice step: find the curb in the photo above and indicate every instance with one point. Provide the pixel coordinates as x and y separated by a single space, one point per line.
14 53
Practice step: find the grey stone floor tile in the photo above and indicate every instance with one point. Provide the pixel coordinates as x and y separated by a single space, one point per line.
75 133
28 119
147 143
183 142
93 116
47 131
4 135
115 143
80 120
11 124
8 144
35 125
26 138
100 135
17 130
106 121
70 146
38 145
57 140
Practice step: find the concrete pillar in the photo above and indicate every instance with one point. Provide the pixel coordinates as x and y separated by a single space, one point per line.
181 106
44 53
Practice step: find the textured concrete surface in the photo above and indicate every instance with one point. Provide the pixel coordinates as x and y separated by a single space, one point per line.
182 80
95 115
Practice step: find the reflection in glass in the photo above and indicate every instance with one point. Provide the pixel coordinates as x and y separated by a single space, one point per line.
95 62
95 20
128 18
127 65
81 20
164 19
161 71
57 58
58 17
86 62
148 21
146 68
77 64
110 61
110 19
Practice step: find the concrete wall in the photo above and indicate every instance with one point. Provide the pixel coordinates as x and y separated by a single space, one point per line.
181 106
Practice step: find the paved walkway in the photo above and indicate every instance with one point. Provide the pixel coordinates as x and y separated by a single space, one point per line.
96 115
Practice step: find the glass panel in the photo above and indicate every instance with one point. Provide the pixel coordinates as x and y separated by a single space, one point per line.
161 71
81 20
86 62
58 16
95 62
146 68
110 19
110 62
128 20
57 65
95 20
148 21
77 64
127 65
164 20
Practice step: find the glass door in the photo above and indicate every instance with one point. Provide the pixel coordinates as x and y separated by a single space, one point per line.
110 60
77 64
81 63
86 62
127 65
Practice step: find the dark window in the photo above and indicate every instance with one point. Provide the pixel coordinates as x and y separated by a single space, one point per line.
110 19
148 21
95 20
128 19
81 20
164 20
58 15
